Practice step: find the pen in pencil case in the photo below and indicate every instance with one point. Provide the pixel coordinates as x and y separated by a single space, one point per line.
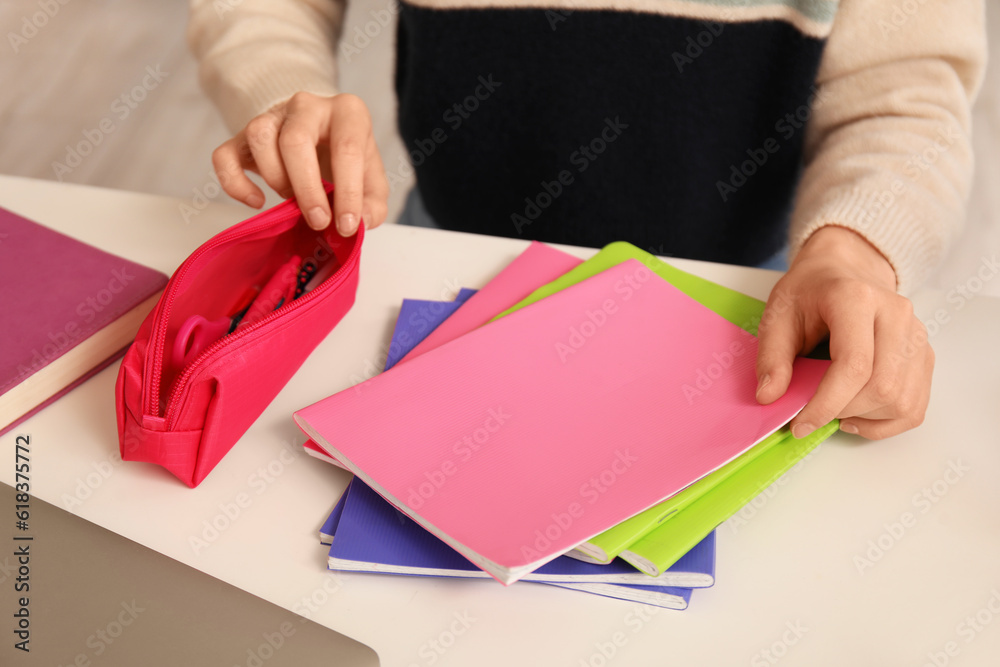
275 292
197 333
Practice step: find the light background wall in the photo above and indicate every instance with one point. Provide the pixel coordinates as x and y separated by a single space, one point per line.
65 84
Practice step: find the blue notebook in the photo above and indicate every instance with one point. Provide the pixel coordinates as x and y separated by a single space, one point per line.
329 527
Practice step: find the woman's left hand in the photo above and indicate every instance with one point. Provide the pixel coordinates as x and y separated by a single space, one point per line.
880 380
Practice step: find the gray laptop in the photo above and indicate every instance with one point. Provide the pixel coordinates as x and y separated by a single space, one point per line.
100 599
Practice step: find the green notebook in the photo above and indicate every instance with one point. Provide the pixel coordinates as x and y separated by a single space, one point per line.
743 311
662 547
612 542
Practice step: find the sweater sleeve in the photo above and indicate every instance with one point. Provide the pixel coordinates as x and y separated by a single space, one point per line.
888 152
253 54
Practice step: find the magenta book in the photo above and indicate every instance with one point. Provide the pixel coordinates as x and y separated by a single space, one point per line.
69 310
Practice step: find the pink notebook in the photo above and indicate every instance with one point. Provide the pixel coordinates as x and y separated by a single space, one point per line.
520 440
538 265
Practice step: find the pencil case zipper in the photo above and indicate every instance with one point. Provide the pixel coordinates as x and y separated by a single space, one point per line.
151 397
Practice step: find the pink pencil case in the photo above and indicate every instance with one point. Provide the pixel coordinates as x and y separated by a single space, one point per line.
187 416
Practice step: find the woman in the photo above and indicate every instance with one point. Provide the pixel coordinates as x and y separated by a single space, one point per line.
711 130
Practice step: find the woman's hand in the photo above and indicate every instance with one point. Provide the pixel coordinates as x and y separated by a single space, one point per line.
298 142
879 382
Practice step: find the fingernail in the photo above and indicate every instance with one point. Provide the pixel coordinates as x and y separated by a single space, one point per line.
848 427
346 224
318 218
802 430
255 201
763 382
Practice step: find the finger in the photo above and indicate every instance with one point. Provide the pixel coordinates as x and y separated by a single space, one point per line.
349 136
878 429
376 202
262 135
229 164
304 129
910 409
897 353
780 336
852 350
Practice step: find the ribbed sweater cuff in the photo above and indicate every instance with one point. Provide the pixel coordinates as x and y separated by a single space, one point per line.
252 92
911 245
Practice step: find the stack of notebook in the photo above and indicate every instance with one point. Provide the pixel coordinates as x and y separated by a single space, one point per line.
367 534
607 414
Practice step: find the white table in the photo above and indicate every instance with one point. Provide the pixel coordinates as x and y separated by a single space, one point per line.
789 578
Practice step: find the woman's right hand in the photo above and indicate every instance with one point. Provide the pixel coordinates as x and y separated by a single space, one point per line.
297 143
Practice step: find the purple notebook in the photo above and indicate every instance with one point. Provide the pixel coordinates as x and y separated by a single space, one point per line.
69 310
370 535
417 320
